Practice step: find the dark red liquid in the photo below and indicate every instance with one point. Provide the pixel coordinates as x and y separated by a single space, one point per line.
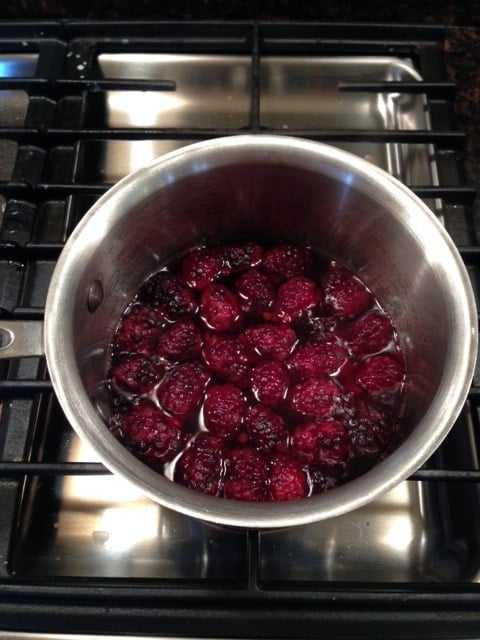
257 373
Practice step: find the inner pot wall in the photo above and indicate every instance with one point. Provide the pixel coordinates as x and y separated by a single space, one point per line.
336 216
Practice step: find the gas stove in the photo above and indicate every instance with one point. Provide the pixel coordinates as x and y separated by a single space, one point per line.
81 105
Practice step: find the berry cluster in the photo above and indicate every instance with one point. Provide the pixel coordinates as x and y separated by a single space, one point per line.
256 373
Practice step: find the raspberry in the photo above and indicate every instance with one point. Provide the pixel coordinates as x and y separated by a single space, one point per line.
200 267
370 334
135 374
181 392
271 340
346 378
246 476
138 330
316 360
241 256
269 382
317 397
293 298
344 294
224 410
322 480
288 481
255 291
200 467
150 433
284 261
322 443
170 294
226 357
219 308
369 429
266 430
180 341
380 374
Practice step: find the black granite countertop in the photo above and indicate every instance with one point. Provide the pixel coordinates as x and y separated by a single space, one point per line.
462 48
463 12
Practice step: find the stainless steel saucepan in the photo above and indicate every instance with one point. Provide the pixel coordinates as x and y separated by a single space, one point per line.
267 188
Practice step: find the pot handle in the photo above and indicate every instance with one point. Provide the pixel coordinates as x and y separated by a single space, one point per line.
21 339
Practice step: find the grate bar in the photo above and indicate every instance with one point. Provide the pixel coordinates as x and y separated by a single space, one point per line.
470 253
42 86
49 137
15 469
116 85
22 388
26 313
31 250
449 475
451 195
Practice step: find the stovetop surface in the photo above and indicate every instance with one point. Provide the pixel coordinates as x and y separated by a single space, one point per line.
82 105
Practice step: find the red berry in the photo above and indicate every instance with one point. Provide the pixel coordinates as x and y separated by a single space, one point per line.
269 382
138 330
255 291
344 294
181 392
369 428
371 333
135 374
180 341
202 266
226 357
246 476
150 433
320 359
224 410
200 467
286 261
170 294
321 443
380 374
322 479
346 378
293 298
317 397
219 308
271 340
288 480
240 256
266 429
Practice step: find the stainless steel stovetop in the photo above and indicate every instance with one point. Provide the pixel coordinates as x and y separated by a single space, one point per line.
69 528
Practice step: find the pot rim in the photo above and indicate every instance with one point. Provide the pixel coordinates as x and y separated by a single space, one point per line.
400 464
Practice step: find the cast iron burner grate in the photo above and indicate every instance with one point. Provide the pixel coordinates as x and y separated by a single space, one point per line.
57 140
